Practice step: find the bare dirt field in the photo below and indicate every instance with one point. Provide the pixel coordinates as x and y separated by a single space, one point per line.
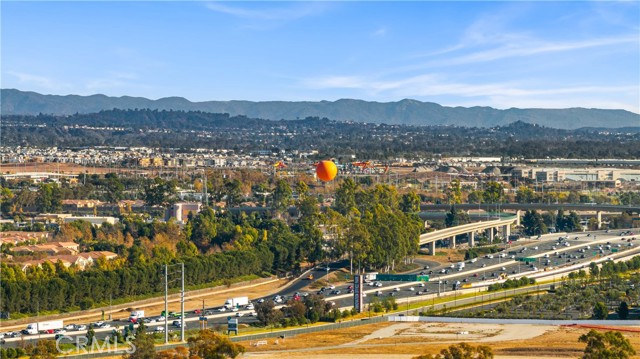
406 340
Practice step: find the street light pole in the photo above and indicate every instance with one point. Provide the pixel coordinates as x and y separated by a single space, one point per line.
166 304
182 306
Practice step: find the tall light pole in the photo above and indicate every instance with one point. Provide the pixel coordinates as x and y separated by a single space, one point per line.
182 305
166 303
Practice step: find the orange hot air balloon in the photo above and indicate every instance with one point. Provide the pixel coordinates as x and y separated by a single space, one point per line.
326 170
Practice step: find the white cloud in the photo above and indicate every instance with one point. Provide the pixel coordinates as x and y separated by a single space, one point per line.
521 49
500 95
36 81
380 32
294 11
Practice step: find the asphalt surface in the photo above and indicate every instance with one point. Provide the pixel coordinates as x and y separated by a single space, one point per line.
547 254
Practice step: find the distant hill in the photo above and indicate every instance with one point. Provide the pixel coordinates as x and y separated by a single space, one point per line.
407 112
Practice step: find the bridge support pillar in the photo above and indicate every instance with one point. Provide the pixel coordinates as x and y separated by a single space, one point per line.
518 217
472 240
432 248
490 235
599 217
453 241
506 232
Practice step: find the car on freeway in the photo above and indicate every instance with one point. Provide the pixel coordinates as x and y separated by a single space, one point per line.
57 331
222 309
70 327
261 300
177 323
411 289
396 289
81 327
159 329
378 293
239 314
249 306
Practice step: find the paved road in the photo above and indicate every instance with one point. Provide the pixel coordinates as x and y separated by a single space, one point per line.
547 252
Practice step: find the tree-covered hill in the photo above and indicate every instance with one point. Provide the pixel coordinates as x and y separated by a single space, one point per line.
408 112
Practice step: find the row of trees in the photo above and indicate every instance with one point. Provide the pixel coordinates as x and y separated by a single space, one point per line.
535 223
375 228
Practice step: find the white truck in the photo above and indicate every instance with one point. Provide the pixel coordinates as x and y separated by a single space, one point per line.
48 327
236 302
136 315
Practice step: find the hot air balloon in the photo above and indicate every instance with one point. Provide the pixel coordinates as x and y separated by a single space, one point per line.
326 170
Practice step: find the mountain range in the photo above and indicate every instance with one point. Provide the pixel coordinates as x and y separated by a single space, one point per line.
404 112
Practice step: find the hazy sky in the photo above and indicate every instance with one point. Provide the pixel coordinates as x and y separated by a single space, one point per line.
500 54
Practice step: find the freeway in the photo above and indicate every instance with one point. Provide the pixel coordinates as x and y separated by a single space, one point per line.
551 255
537 206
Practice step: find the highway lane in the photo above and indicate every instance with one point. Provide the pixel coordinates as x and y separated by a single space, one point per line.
582 248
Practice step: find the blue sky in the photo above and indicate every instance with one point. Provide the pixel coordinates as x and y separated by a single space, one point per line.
501 54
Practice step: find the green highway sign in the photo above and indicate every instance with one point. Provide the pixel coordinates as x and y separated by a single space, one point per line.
526 259
402 278
613 250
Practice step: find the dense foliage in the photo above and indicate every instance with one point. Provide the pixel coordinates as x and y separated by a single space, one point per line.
195 129
214 246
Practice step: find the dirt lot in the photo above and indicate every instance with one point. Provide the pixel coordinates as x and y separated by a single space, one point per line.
405 340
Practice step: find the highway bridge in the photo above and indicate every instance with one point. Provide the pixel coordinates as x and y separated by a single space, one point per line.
470 229
536 206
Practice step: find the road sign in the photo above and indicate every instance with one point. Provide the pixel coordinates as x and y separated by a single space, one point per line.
526 259
422 278
613 250
205 318
358 302
397 277
232 326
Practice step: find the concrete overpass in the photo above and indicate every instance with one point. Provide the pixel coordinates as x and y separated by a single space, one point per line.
537 206
470 229
519 208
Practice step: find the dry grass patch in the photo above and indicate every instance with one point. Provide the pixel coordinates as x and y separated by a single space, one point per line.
322 339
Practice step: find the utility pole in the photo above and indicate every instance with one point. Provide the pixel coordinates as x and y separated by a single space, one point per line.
182 306
166 304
